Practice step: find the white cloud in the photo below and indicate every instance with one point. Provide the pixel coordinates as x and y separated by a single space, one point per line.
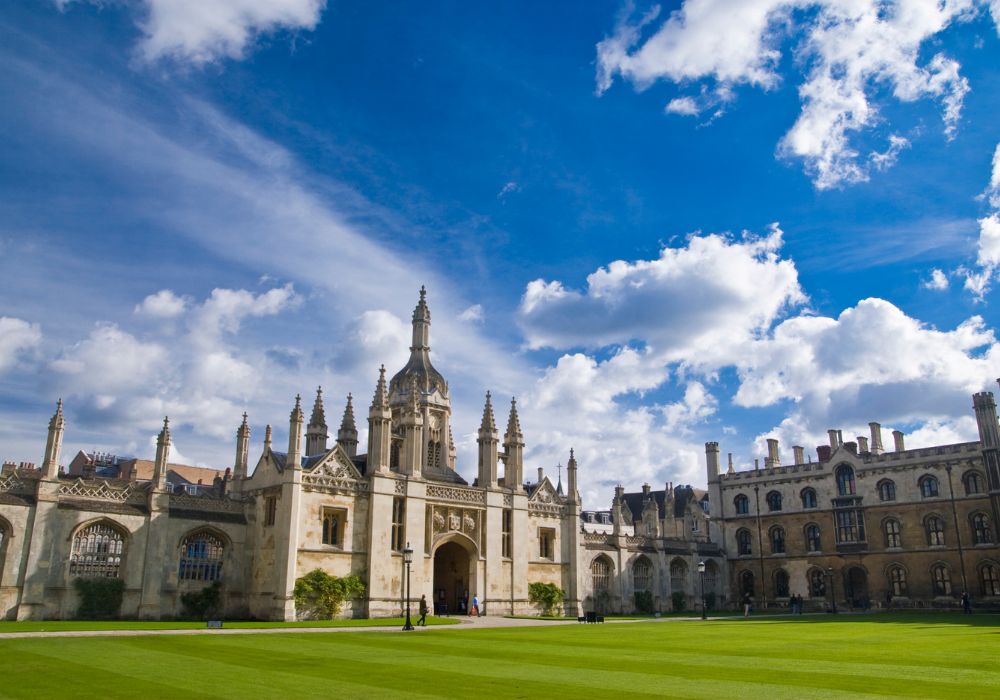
979 280
201 32
225 309
473 314
873 362
683 105
17 338
692 304
937 282
851 50
993 191
163 304
111 362
507 189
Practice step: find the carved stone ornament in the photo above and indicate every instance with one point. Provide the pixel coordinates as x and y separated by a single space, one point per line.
438 521
470 522
454 521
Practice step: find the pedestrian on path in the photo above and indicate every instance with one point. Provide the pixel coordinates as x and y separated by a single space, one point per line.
475 605
423 611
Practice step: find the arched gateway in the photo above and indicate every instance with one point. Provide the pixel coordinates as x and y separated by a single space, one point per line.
455 562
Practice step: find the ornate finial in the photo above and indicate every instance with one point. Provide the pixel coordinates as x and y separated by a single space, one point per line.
571 453
267 437
57 420
318 418
348 421
164 436
380 402
298 401
244 417
423 294
488 424
513 422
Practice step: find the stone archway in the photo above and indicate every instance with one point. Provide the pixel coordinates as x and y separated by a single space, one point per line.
454 578
856 587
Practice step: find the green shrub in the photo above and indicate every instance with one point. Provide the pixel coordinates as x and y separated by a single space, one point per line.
319 596
548 595
679 600
100 598
644 602
204 604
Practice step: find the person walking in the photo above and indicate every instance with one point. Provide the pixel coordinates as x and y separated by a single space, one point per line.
966 603
747 604
475 605
423 611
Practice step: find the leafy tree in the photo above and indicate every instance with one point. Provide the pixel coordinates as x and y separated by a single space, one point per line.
318 595
100 598
548 595
203 604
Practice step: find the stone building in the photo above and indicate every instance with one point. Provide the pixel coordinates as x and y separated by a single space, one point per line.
863 526
167 529
856 524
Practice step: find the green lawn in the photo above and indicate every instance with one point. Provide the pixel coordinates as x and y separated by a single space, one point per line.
90 625
886 655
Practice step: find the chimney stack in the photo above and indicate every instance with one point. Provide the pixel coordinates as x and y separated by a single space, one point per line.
773 460
834 439
541 474
897 438
862 444
712 460
799 452
876 447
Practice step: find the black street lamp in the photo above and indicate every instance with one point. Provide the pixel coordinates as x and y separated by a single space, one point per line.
407 559
833 592
701 571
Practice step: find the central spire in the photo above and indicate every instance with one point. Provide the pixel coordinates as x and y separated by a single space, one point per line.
421 324
419 365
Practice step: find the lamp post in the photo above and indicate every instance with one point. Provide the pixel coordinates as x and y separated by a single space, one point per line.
407 559
833 593
701 572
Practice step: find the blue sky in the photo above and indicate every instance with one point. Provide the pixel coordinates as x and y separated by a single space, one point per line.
654 225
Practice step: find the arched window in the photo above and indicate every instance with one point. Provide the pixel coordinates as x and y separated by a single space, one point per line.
845 480
746 583
982 533
928 486
935 530
812 537
201 557
743 542
600 573
973 482
777 534
897 580
678 575
742 504
97 551
817 584
892 537
774 501
989 580
781 583
711 575
942 580
642 575
808 498
886 490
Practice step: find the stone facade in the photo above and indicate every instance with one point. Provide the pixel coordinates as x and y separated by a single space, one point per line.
863 527
167 529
